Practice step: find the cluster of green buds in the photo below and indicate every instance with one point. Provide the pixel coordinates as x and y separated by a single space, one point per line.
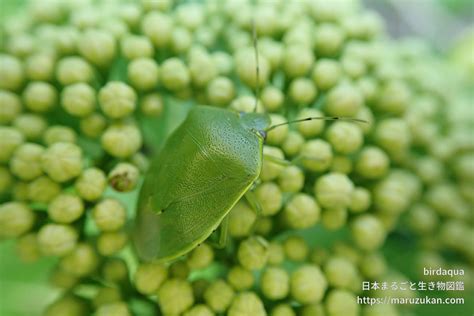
88 91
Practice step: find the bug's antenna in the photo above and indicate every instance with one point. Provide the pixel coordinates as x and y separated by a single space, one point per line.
257 68
325 118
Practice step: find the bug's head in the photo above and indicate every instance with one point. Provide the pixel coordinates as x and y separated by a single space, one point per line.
256 122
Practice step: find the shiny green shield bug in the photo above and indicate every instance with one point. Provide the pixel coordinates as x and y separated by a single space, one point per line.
205 167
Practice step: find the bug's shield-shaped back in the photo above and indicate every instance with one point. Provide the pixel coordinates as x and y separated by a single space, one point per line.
206 166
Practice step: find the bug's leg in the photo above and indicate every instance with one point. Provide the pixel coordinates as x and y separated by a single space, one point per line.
280 161
222 235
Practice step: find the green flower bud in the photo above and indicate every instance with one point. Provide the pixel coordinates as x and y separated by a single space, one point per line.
271 170
157 27
240 278
297 60
372 163
26 248
20 191
308 284
293 143
115 270
272 98
181 40
65 208
341 164
316 155
26 160
263 226
111 243
40 96
278 135
393 97
56 239
121 140
360 200
12 72
247 303
246 104
81 261
422 219
319 255
295 248
6 180
270 198
276 253
67 305
62 161
272 50
353 66
345 137
334 190
245 65
117 99
43 190
32 126
59 134
312 128
220 91
223 61
368 232
291 179
326 73
78 99
431 170
334 218
341 303
136 46
113 309
93 125
218 296
174 74
10 106
373 266
302 91
109 215
63 280
175 296
393 135
329 39
301 211
152 104
124 177
73 69
97 46
313 310
143 74
179 269
91 184
15 219
201 257
369 87
275 283
343 100
40 67
106 295
375 310
149 277
253 253
202 69
340 272
199 310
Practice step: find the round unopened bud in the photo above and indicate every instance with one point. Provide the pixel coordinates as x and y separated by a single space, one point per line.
62 161
111 242
340 272
59 134
32 126
93 125
329 39
12 72
393 97
152 104
297 60
291 179
174 74
149 277
241 220
341 164
275 283
326 73
199 310
313 127
43 190
334 218
345 137
334 190
202 69
201 257
106 295
109 215
295 248
360 200
175 296
343 100
27 248
302 91
40 96
372 163
240 278
393 135
91 184
143 73
301 211
113 309
283 310
136 46
277 135
117 99
220 91
121 140
316 155
308 284
10 106
81 261
253 253
272 98
270 169
342 303
124 177
422 219
115 270
368 232
26 161
97 46
65 208
67 305
72 70
247 303
293 143
57 239
245 65
78 99
313 310
15 219
158 28
40 67
270 198
218 296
